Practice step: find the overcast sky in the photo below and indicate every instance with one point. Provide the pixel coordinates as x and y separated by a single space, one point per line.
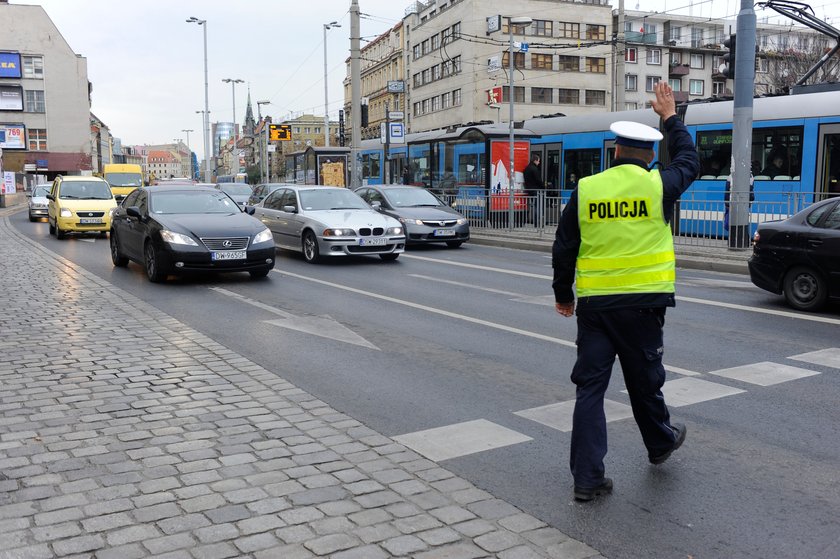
147 67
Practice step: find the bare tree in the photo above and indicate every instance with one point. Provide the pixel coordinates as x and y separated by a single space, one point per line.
786 67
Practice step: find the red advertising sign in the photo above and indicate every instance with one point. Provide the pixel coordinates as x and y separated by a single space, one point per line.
500 179
494 96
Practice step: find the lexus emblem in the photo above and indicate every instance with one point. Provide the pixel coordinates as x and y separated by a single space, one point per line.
227 244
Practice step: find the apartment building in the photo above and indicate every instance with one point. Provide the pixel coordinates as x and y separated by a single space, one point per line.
45 119
457 67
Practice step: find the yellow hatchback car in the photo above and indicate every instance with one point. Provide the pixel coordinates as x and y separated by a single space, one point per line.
79 205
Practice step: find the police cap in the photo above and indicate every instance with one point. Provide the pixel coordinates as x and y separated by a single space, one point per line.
635 134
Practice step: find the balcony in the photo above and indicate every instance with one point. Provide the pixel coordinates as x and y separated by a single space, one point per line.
640 37
678 70
680 96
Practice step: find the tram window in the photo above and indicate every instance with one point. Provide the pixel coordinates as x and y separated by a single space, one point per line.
580 163
715 150
370 165
776 152
470 167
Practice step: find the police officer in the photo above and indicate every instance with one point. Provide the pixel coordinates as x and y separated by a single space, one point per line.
615 243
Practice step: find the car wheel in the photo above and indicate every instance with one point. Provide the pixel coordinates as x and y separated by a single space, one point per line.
52 227
454 244
152 263
103 234
259 274
116 256
310 247
805 289
31 217
389 257
59 234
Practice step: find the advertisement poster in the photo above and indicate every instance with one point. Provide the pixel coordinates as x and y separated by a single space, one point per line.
8 182
12 136
11 98
500 161
333 170
9 65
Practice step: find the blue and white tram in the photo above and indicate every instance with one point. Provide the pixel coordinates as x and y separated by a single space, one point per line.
800 133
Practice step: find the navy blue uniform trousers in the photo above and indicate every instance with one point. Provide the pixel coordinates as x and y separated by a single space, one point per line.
635 335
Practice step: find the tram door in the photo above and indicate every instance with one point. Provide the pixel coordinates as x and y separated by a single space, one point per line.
551 175
828 173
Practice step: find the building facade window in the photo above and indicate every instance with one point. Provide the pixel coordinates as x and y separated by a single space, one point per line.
596 32
762 65
676 84
651 81
517 29
718 89
654 56
596 97
675 33
518 94
568 63
696 37
456 97
596 65
631 82
35 101
418 80
630 55
518 60
435 42
426 47
436 103
426 105
456 64
37 139
541 95
697 61
417 109
631 106
541 62
436 70
543 28
446 100
676 58
568 96
569 30
416 51
33 67
446 36
427 75
696 87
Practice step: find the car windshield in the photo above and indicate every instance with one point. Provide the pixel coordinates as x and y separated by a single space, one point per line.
40 191
234 189
411 198
331 199
198 202
124 179
85 190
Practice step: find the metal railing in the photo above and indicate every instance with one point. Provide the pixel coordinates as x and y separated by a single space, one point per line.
701 217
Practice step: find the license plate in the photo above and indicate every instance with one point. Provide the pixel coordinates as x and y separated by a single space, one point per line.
444 232
229 255
84 220
372 242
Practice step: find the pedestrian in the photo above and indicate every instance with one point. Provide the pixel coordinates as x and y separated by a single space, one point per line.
534 185
614 242
406 175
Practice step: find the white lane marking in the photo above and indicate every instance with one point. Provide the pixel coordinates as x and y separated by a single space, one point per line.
456 316
324 326
434 310
765 373
460 439
544 300
785 314
826 357
559 416
707 282
687 391
745 308
86 240
684 372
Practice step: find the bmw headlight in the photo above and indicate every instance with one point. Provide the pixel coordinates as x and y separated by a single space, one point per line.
66 213
395 230
339 233
174 238
409 221
262 237
462 221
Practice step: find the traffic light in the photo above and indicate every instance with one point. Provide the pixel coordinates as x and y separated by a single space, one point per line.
364 115
728 66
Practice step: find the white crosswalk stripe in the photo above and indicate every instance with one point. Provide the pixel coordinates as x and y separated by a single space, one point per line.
559 416
460 439
765 373
826 357
687 391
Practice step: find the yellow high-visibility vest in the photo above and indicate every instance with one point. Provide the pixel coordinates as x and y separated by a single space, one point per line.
626 244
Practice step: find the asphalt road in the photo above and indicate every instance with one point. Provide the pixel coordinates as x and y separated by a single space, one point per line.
443 337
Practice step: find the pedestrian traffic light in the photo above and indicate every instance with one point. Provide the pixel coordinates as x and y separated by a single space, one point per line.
728 66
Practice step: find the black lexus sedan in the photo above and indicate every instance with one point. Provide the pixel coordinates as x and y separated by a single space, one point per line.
178 230
800 256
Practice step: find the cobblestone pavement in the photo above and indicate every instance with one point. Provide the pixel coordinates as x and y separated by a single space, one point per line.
126 434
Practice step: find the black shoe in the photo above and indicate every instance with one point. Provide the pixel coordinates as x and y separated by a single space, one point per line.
589 493
679 435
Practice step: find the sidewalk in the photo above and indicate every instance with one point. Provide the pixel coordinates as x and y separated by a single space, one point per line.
126 434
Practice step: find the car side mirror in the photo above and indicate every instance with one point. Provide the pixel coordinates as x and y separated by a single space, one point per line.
290 209
250 210
376 206
50 197
133 211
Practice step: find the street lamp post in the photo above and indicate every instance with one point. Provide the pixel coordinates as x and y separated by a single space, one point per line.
326 86
264 160
189 151
234 153
205 116
511 174
207 142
